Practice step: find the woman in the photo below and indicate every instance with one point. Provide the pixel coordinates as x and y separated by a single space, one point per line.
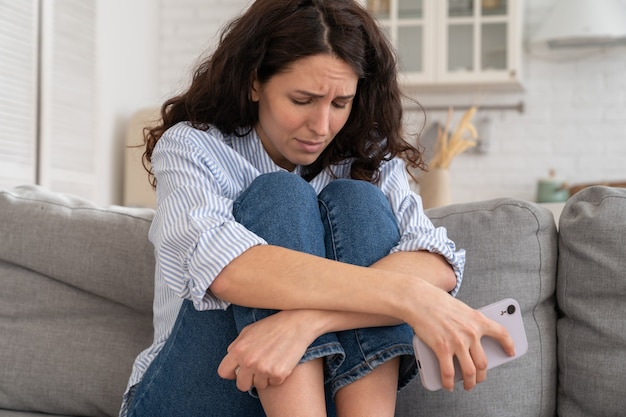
293 261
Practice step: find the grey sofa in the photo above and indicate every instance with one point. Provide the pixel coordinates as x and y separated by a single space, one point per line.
76 303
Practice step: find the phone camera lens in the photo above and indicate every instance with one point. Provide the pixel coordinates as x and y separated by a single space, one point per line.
510 309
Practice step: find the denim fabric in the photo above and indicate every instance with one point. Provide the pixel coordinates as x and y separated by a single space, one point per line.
349 221
289 198
359 227
183 380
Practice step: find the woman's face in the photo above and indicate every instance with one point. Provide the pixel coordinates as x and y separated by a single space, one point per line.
303 108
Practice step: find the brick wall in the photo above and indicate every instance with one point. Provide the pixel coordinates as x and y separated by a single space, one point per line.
574 120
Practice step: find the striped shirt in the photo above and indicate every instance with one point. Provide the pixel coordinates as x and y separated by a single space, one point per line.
200 174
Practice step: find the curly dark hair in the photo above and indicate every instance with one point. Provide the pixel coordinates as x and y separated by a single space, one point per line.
265 40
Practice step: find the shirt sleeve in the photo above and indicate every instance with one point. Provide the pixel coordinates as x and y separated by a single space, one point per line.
194 232
417 232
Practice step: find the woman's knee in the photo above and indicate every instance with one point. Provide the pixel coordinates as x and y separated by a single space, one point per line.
358 198
282 187
275 194
360 226
359 192
280 208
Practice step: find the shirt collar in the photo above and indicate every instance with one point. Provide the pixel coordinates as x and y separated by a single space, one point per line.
251 148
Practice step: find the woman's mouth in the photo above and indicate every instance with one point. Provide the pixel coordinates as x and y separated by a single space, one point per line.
311 146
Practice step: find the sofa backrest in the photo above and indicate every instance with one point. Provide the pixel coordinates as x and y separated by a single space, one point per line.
511 252
76 292
591 291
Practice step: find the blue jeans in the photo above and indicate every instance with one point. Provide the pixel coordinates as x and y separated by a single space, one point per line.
349 221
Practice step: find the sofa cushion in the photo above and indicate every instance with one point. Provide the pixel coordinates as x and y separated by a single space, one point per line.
511 252
76 301
591 291
11 413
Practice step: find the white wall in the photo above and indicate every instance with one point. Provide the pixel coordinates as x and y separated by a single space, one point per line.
127 38
574 120
189 29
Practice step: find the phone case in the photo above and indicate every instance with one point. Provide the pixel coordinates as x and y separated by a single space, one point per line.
506 312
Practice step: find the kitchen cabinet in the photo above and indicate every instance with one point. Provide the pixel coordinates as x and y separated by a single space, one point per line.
447 44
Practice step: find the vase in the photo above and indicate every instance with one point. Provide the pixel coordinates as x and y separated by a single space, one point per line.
435 188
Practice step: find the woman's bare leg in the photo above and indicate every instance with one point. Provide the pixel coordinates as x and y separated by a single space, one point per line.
301 395
372 395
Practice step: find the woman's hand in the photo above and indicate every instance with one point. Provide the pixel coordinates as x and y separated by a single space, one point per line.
451 328
267 351
447 325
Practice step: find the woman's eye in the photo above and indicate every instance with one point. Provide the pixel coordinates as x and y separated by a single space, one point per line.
307 101
301 102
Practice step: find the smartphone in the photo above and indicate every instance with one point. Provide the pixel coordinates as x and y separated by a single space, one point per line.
506 312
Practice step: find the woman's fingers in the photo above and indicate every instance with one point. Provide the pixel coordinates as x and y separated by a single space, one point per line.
472 363
228 368
501 334
474 366
244 380
446 365
260 382
459 340
480 363
266 352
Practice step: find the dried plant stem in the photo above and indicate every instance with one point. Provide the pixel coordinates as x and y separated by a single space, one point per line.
449 146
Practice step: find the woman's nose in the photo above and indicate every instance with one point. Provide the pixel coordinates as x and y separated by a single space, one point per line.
319 121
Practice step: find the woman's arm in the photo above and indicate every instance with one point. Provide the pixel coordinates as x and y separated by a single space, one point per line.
273 277
282 279
432 267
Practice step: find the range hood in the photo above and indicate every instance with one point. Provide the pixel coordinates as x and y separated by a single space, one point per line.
583 23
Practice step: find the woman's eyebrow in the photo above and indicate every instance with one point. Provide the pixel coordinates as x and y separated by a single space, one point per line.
313 95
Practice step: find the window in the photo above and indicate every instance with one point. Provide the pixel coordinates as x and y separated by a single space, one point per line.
47 109
18 83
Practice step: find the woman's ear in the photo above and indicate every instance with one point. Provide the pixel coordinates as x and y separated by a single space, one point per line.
255 89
